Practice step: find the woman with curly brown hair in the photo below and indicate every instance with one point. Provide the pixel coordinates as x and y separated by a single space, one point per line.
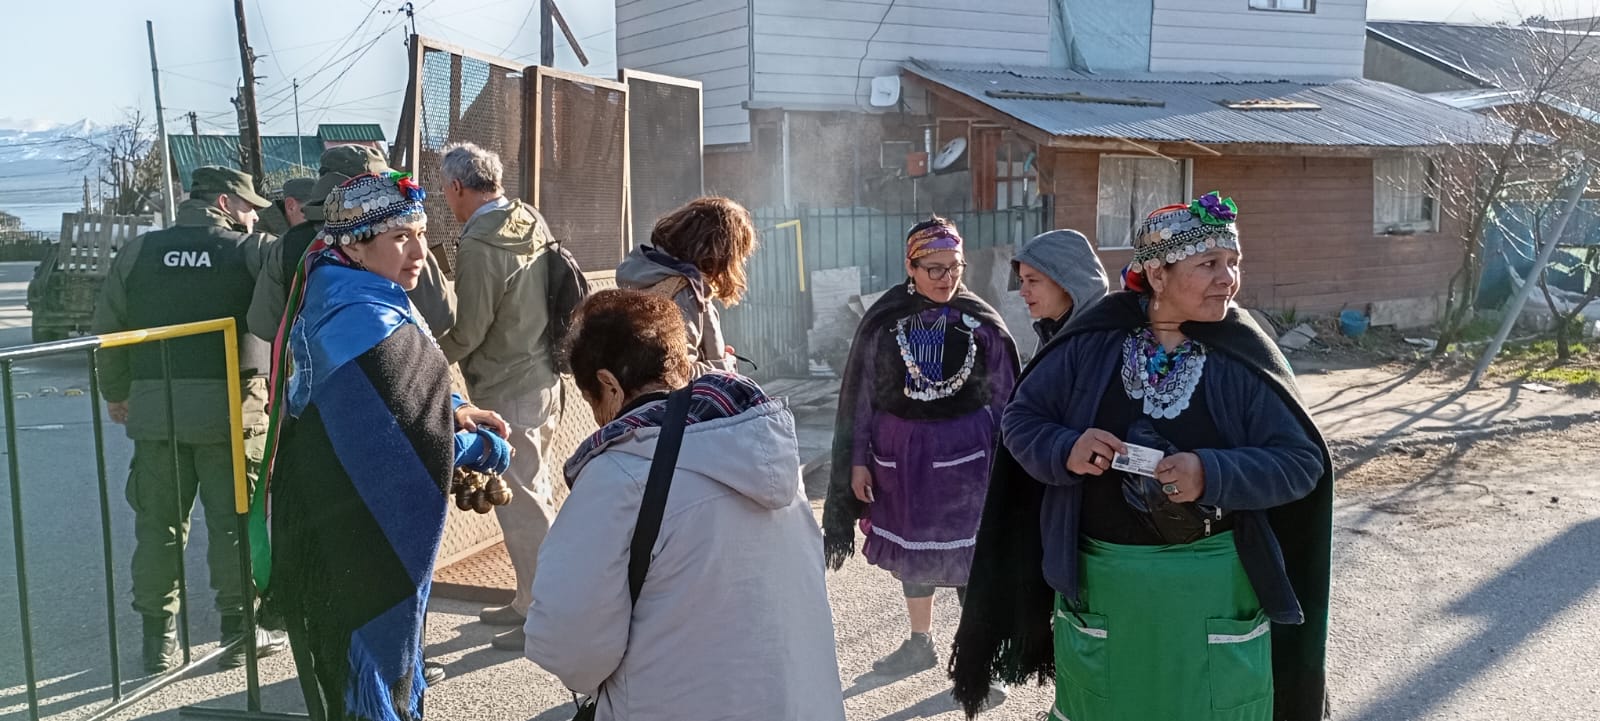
696 255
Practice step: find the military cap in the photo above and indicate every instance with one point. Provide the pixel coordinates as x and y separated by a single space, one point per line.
213 179
300 189
341 163
352 160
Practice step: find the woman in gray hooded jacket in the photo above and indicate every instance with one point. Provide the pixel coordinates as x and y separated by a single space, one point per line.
732 621
1059 274
696 257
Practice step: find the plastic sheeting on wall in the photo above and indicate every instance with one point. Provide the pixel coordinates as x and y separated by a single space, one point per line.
1095 36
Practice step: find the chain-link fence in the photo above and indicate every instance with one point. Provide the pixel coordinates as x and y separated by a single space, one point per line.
581 124
464 97
665 168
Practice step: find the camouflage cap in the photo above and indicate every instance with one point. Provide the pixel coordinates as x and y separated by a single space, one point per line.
214 179
301 189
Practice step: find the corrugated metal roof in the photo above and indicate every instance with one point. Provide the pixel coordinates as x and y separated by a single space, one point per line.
279 153
350 132
1179 107
1496 55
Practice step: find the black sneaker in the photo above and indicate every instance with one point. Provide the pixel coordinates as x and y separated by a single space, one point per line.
268 643
913 656
161 645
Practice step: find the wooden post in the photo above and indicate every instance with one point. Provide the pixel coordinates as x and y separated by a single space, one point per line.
247 95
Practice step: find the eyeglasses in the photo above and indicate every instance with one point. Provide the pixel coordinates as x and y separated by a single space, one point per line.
938 272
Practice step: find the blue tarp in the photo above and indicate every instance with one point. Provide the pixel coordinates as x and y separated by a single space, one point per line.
1509 246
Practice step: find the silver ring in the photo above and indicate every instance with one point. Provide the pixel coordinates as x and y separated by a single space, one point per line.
1169 488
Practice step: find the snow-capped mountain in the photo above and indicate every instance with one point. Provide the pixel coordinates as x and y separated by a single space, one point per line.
41 172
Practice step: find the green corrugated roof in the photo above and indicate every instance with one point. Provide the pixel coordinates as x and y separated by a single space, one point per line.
279 153
350 132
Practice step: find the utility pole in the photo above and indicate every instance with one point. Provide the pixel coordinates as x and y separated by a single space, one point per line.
85 193
547 35
252 125
194 123
297 142
411 14
168 202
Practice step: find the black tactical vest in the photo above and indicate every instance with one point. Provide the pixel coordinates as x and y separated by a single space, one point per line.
295 242
185 274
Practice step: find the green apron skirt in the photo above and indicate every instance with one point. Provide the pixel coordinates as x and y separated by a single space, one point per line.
1173 633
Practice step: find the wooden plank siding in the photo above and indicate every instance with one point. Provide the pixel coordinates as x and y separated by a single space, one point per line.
824 53
705 40
1234 38
1306 227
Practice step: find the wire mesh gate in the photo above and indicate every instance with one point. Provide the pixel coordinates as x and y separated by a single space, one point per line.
460 96
664 172
574 146
90 346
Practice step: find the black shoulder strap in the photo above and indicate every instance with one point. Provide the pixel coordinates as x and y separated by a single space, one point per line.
656 487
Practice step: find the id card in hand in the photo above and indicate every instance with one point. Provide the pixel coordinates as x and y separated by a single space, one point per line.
1139 460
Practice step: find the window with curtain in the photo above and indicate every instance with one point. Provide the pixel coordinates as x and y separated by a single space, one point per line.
1405 194
1131 187
1292 6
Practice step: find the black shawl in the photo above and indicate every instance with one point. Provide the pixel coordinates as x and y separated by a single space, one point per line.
1005 630
841 509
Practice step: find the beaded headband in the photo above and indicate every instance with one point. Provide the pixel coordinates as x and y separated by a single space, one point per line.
370 205
1176 232
931 240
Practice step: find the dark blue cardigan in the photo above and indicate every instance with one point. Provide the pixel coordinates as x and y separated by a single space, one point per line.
1270 462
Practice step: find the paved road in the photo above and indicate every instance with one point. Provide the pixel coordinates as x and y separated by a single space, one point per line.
1466 594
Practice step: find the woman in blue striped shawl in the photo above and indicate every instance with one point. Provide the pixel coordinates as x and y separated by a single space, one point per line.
362 458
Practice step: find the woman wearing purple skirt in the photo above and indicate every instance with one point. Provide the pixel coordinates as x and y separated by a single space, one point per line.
930 370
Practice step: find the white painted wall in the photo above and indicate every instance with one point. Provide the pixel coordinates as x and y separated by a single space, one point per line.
705 40
1226 35
807 52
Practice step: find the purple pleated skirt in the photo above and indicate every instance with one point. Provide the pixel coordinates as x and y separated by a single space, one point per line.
929 479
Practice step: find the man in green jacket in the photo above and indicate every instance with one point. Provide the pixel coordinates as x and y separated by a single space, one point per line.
502 311
203 267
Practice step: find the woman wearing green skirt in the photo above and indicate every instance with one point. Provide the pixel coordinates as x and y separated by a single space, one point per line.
1156 535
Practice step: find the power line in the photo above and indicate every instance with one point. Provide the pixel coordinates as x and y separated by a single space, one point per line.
194 78
235 58
262 16
562 43
346 72
532 6
307 80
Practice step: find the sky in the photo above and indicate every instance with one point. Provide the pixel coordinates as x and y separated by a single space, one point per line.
66 60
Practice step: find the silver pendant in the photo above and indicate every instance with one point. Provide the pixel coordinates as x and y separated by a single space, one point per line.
970 321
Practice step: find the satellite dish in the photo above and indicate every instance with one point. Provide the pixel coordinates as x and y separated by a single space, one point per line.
948 156
885 91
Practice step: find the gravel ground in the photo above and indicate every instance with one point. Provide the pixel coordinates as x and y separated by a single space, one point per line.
1465 570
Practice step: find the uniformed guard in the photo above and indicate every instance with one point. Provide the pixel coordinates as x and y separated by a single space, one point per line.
204 267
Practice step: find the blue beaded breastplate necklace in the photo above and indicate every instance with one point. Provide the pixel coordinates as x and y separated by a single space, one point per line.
922 347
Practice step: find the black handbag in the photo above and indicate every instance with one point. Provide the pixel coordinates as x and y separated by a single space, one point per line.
651 509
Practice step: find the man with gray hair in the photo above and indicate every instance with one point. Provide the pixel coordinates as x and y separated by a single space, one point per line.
499 339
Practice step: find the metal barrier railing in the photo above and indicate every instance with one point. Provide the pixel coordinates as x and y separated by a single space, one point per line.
91 346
